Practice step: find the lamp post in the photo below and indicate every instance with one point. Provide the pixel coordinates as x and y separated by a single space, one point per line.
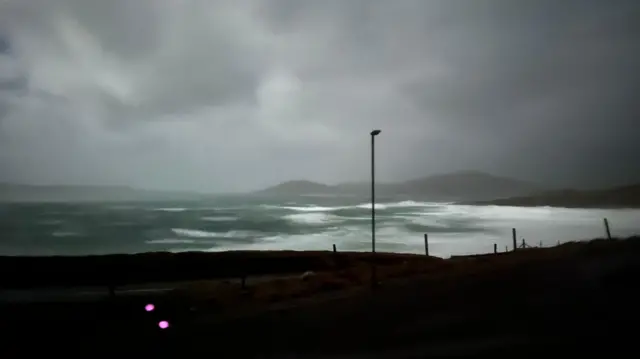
374 133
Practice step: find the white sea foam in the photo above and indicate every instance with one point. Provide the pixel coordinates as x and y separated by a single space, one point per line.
401 204
170 241
380 206
196 233
312 208
312 218
480 227
171 209
219 219
368 206
425 220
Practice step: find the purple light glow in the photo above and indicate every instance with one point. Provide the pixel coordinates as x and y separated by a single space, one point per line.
163 324
149 307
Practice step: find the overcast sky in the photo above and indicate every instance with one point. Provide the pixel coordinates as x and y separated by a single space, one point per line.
235 95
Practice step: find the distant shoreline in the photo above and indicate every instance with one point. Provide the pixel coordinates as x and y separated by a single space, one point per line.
626 197
513 203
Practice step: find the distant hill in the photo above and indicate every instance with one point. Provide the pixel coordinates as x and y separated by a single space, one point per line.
298 188
458 186
32 193
618 197
467 186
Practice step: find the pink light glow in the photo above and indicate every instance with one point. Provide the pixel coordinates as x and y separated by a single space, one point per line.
163 324
149 307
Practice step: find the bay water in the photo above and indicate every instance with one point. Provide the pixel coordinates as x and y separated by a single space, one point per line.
300 223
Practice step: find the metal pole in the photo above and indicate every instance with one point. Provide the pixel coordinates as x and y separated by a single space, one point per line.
373 196
373 208
426 244
606 227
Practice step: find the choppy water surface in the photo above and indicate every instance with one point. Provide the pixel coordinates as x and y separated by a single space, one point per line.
303 223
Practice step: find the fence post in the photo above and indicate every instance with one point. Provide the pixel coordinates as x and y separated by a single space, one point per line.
606 227
426 244
515 244
334 248
495 248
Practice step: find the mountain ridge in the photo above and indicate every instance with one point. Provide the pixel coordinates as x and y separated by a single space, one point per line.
456 186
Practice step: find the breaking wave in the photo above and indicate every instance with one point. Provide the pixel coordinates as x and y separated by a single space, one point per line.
313 218
219 219
170 241
380 206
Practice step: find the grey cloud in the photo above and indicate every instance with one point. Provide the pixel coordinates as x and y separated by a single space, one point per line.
236 95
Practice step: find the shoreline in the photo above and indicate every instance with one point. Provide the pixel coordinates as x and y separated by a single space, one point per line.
509 203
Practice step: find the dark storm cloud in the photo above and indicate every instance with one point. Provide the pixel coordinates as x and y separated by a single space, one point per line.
4 45
557 91
225 95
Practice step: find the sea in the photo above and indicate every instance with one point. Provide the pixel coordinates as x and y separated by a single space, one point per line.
300 223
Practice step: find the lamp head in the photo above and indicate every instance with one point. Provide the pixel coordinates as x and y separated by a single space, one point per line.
375 132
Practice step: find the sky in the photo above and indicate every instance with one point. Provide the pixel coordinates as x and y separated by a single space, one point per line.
240 94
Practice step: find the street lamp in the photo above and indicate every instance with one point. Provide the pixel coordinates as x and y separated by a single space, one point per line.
374 133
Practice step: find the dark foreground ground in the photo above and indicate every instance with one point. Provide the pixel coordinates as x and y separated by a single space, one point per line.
570 300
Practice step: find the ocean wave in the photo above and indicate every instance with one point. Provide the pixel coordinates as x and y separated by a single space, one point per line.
310 208
170 209
380 206
170 241
368 206
312 218
402 204
345 238
425 220
219 219
196 233
415 204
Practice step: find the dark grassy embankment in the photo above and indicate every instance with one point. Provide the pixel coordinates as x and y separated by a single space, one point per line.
577 296
124 269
